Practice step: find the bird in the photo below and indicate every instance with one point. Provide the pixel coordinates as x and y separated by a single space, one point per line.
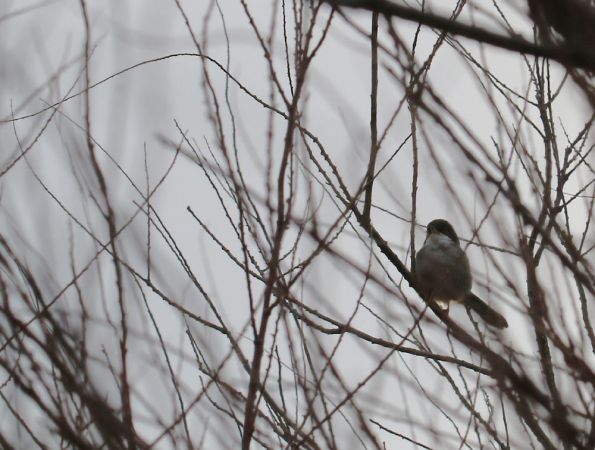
442 273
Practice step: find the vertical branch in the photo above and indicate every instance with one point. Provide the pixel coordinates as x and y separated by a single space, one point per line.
538 305
413 111
412 102
147 194
110 217
251 405
281 225
373 120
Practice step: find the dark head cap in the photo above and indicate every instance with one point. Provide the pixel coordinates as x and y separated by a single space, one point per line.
442 226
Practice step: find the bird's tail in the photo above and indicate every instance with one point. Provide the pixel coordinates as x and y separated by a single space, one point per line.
486 312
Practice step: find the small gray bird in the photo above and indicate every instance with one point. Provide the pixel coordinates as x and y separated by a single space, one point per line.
442 273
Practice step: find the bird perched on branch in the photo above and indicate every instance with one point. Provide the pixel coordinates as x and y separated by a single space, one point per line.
442 273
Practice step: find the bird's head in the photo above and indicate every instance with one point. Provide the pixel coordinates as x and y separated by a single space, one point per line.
441 226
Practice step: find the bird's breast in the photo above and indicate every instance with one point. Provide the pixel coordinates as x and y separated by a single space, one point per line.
442 270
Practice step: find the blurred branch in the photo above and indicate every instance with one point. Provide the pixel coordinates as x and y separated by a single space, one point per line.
565 54
373 119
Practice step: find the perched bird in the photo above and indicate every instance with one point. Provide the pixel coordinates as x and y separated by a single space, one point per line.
442 273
